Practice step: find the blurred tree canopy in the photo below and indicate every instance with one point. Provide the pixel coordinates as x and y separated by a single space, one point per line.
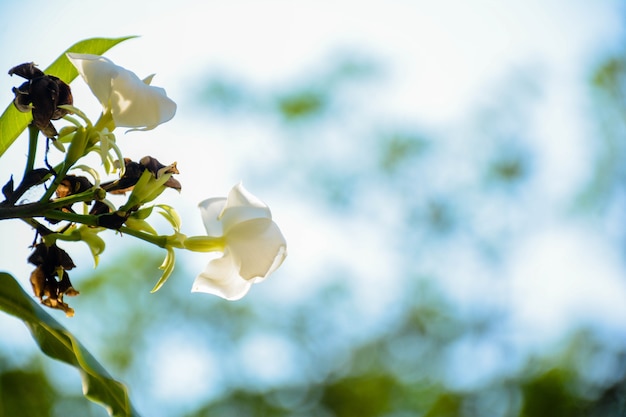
334 363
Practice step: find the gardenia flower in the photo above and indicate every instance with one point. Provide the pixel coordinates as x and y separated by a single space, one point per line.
130 101
252 244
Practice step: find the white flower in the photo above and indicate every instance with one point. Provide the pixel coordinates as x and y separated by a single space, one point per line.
253 245
130 101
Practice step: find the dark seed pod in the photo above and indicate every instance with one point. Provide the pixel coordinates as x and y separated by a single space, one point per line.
42 95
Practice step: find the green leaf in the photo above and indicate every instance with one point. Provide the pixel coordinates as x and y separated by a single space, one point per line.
171 215
13 122
57 342
167 266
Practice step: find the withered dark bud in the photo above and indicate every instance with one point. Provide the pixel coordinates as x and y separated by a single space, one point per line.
99 207
73 184
113 220
153 165
65 287
173 183
38 282
133 171
42 94
58 304
70 185
50 258
52 261
158 169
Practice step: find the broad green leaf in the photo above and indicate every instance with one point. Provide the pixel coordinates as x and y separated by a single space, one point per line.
13 122
57 342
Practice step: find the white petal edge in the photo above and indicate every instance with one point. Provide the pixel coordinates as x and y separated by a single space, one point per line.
220 278
210 210
97 71
137 104
241 206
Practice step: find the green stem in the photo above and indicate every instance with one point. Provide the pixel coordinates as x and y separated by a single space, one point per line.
22 211
38 209
89 220
85 219
33 134
86 196
70 237
205 243
158 240
40 228
59 177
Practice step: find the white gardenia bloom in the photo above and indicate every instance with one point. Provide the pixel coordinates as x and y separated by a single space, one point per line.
131 101
254 246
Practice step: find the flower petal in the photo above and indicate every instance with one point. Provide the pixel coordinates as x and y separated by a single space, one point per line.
210 209
253 245
137 104
97 71
220 278
242 206
258 246
131 101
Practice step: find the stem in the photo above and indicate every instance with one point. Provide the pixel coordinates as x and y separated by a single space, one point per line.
205 244
33 134
40 228
85 196
88 220
24 211
60 176
85 219
160 241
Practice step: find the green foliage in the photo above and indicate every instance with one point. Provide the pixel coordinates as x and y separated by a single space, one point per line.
447 405
242 403
58 343
13 122
549 395
608 84
25 393
509 168
390 373
364 396
399 148
302 104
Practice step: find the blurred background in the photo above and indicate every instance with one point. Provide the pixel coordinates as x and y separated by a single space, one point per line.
449 179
